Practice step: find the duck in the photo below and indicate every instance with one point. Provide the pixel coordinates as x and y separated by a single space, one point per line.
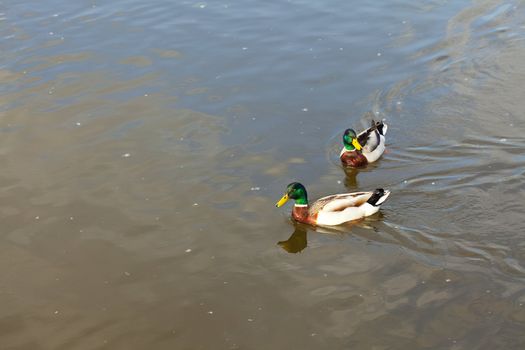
332 210
366 147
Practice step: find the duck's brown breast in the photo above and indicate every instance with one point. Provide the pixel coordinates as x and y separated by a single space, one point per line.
354 159
302 214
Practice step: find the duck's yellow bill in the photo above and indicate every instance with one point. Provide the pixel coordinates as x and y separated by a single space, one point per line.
282 201
356 144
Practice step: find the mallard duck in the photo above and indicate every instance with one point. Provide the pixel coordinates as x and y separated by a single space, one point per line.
332 210
367 147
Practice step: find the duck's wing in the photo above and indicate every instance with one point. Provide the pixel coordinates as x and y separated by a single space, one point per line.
374 153
339 202
349 207
373 140
371 137
342 208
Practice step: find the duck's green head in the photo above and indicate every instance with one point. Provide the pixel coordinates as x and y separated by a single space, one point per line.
350 140
295 191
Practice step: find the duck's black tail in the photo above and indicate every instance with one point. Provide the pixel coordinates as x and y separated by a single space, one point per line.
378 197
380 126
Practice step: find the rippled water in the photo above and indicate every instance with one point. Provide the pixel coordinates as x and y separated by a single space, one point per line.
143 146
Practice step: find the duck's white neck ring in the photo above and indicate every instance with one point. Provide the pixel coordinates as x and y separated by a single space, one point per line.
301 205
344 150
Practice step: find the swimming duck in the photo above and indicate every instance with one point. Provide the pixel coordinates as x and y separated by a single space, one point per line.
367 147
332 210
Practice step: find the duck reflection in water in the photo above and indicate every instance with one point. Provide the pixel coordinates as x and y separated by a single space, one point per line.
298 240
351 178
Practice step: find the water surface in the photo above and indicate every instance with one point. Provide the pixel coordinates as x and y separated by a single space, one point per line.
143 146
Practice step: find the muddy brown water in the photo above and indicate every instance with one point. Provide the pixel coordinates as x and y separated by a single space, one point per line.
143 146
